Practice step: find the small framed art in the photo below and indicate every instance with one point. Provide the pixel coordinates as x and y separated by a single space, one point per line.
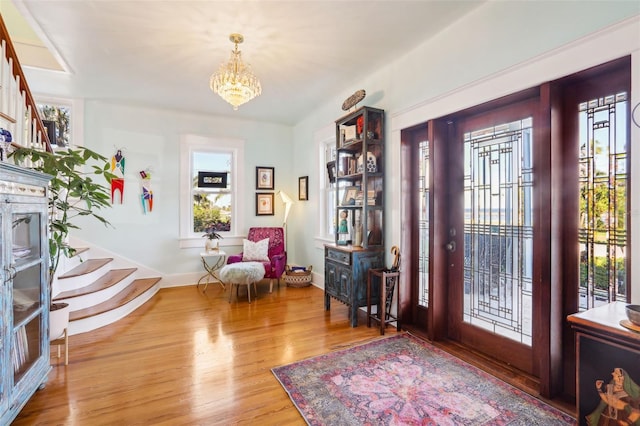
349 196
264 204
264 177
303 186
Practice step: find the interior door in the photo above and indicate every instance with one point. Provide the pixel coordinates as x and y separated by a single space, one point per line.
491 231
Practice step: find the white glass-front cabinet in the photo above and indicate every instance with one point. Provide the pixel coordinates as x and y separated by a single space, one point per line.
24 336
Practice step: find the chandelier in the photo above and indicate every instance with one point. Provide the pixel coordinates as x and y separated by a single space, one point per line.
234 81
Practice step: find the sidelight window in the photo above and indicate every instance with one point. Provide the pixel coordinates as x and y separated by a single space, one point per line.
603 181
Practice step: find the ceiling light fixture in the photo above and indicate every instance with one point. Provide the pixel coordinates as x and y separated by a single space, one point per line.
234 81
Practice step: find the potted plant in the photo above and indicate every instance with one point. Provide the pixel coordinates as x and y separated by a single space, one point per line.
212 235
72 193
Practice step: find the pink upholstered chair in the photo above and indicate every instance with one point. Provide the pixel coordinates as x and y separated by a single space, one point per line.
277 254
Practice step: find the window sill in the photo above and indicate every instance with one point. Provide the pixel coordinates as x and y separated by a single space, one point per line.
187 243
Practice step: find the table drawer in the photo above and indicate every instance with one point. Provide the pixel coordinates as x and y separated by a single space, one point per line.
339 256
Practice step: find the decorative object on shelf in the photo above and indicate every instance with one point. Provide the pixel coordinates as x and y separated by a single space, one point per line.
343 228
358 233
371 165
360 127
352 100
264 204
331 171
350 195
265 177
234 81
303 186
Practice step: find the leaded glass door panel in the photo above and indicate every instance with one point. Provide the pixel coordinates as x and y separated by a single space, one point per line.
492 308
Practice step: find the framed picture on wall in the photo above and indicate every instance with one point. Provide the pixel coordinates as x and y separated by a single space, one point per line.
264 178
264 204
303 185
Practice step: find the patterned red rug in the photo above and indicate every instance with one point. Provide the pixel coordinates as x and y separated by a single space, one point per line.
402 380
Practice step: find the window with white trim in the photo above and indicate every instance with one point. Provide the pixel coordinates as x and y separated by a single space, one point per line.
328 190
210 176
62 119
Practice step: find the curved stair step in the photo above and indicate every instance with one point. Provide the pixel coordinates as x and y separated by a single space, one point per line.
80 250
135 289
86 267
110 279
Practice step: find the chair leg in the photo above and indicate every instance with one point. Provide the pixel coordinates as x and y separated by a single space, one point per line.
249 291
271 285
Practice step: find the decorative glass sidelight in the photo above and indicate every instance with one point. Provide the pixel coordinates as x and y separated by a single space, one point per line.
603 180
423 225
498 229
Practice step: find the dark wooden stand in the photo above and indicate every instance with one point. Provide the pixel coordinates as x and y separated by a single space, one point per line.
388 281
604 348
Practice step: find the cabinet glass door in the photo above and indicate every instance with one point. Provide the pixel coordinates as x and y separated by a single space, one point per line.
27 270
4 277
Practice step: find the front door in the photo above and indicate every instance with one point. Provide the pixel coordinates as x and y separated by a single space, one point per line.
492 216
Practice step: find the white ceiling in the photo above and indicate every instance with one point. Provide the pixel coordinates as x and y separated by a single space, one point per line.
162 53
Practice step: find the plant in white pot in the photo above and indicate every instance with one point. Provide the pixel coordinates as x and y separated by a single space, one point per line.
72 193
212 235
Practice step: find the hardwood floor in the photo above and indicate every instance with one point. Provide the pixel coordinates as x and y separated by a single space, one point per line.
192 358
189 358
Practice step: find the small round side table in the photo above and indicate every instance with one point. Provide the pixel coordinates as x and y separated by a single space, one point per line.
212 262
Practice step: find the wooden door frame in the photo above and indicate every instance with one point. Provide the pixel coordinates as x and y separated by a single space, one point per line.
556 222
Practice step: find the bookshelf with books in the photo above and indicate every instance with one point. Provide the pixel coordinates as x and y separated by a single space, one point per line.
359 215
24 297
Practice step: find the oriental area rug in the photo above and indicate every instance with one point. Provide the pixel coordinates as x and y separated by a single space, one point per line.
402 380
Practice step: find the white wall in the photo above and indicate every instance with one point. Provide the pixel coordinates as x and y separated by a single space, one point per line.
151 138
499 49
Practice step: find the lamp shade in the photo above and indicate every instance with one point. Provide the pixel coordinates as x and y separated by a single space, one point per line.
287 204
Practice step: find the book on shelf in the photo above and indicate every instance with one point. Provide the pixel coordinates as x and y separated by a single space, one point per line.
19 349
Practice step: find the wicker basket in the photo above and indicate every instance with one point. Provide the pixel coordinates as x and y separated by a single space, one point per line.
297 278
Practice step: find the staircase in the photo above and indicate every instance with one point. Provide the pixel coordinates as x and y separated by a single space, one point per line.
99 292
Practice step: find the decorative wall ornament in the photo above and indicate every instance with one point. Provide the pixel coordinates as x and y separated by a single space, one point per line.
352 100
146 197
117 168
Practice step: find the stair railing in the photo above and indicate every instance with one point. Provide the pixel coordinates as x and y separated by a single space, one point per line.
18 110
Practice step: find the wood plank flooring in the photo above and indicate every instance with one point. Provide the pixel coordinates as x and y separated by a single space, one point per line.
193 358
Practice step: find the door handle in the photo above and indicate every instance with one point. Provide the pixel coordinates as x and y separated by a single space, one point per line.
450 246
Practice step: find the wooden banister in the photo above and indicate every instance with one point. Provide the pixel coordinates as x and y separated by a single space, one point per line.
24 87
